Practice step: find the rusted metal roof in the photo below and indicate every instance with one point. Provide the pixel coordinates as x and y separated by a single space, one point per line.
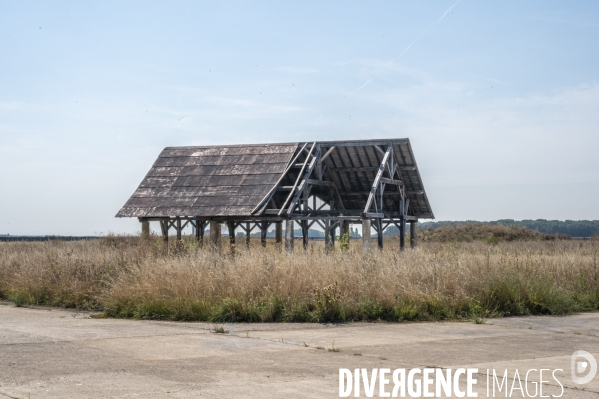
247 180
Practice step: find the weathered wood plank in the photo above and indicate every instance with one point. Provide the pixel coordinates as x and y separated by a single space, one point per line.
320 183
228 150
391 181
221 180
354 143
165 171
239 200
356 169
234 169
377 179
151 192
161 181
244 159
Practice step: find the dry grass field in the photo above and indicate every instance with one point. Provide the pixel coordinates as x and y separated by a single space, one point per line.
131 277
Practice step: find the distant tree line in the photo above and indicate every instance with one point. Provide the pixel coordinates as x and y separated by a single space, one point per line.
573 228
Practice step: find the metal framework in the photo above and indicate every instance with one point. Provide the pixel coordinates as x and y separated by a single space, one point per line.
333 184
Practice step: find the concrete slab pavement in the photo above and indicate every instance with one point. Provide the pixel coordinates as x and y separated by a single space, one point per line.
65 354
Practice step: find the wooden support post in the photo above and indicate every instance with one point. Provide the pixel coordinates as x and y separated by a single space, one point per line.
247 234
379 233
279 234
231 228
327 235
215 234
178 228
263 231
366 234
289 235
344 234
333 235
145 230
200 232
164 227
413 234
304 225
402 234
345 226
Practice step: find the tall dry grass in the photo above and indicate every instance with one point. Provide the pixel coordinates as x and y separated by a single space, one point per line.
129 277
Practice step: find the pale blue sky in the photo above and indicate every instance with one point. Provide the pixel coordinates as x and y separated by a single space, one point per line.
500 99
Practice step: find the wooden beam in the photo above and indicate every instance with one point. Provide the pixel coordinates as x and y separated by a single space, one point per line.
263 231
231 228
279 233
248 237
304 226
379 233
407 167
374 215
179 228
356 169
272 190
402 234
413 234
145 230
164 227
215 234
391 181
289 235
302 185
326 154
375 183
320 183
327 236
299 178
361 143
358 193
199 225
366 234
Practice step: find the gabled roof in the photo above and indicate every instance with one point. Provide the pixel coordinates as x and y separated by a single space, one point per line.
254 180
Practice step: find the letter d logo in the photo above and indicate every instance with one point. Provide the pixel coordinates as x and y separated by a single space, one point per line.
580 366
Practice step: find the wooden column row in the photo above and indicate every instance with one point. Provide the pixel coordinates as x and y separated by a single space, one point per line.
330 228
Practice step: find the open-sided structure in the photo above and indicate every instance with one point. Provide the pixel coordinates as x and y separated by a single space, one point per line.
374 183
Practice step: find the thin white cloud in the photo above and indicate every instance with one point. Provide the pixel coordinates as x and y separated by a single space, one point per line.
249 104
391 63
426 30
412 43
11 106
489 79
296 70
363 85
448 10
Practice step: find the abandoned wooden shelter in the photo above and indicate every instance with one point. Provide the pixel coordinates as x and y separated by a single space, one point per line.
333 184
